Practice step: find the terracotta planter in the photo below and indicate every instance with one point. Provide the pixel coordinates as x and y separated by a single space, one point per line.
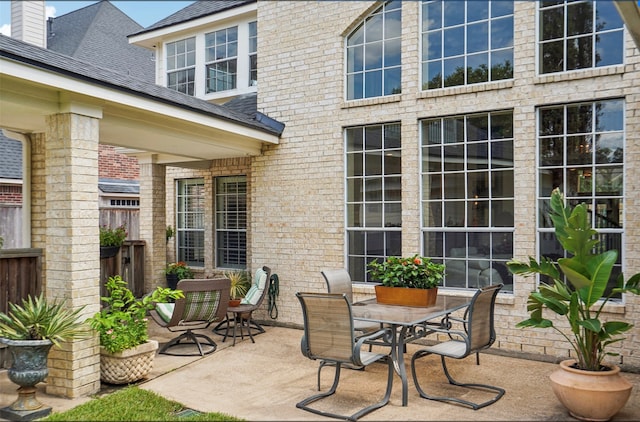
406 297
234 302
129 365
590 395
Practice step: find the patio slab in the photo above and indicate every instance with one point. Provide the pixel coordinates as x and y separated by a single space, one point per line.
263 381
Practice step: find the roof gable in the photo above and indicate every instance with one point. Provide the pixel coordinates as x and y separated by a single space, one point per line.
98 34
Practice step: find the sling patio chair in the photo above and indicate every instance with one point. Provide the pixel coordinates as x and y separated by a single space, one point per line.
242 315
205 302
339 281
478 333
329 336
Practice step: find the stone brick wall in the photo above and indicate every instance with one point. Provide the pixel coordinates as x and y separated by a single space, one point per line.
299 227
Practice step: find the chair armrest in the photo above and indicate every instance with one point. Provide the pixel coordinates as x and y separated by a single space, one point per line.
385 332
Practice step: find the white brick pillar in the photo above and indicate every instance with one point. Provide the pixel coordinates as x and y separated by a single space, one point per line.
71 239
153 223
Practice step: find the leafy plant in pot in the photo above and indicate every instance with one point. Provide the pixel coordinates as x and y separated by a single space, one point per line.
577 291
177 271
126 353
29 330
418 274
111 239
239 285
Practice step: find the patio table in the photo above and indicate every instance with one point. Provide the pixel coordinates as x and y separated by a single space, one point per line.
408 324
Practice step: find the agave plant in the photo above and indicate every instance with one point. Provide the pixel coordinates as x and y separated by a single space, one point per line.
38 319
578 286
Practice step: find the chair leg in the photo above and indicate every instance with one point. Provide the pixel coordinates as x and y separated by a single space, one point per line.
190 338
475 406
385 400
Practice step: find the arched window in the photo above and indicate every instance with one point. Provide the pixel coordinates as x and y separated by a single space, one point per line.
373 54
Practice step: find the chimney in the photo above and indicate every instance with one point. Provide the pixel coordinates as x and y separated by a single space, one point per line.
28 22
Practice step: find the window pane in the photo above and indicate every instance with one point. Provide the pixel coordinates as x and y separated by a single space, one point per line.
579 18
453 41
609 48
392 81
478 68
609 148
432 15
609 115
502 33
552 57
477 37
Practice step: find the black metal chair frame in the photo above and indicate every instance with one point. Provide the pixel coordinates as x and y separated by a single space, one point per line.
328 337
241 317
478 333
180 320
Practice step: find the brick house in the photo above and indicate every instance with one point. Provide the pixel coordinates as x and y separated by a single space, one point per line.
400 128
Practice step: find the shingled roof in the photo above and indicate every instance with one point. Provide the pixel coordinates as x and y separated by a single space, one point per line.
11 158
55 62
98 34
194 11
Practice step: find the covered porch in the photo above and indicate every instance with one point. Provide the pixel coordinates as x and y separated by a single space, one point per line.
61 109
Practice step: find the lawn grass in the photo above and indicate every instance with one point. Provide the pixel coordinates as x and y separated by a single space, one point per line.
134 404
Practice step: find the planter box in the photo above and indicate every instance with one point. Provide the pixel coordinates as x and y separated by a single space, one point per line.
129 365
405 296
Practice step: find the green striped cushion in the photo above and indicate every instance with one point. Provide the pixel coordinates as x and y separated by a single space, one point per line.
165 310
201 306
254 293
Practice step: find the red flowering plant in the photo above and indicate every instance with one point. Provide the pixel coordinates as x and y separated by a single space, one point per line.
180 268
417 272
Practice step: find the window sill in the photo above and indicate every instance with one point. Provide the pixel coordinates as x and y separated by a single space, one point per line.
372 101
575 75
466 89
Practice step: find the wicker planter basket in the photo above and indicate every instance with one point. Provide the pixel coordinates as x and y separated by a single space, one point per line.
129 365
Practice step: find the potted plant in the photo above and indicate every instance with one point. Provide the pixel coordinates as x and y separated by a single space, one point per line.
576 288
29 330
126 353
111 239
239 285
418 278
177 271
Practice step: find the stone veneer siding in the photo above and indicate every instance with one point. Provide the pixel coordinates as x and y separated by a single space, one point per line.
299 227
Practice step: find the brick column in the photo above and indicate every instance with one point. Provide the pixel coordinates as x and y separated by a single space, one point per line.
71 239
153 222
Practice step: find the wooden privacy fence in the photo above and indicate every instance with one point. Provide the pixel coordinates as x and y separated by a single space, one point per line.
20 276
129 263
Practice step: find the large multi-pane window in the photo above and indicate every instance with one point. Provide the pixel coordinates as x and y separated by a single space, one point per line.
231 222
253 53
467 197
373 54
181 62
374 195
190 221
466 42
578 35
221 58
581 151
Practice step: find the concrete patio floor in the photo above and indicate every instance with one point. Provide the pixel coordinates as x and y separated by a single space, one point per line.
265 380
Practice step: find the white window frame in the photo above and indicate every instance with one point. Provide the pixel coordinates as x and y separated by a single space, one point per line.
594 34
484 266
231 221
188 68
374 23
190 210
465 55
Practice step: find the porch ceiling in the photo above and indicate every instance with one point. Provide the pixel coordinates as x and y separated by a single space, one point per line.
136 122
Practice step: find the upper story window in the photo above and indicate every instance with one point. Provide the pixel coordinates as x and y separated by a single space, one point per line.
221 58
253 53
466 42
579 35
181 65
373 54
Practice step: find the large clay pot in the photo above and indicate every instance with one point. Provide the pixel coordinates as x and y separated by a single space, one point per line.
129 365
405 296
590 395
